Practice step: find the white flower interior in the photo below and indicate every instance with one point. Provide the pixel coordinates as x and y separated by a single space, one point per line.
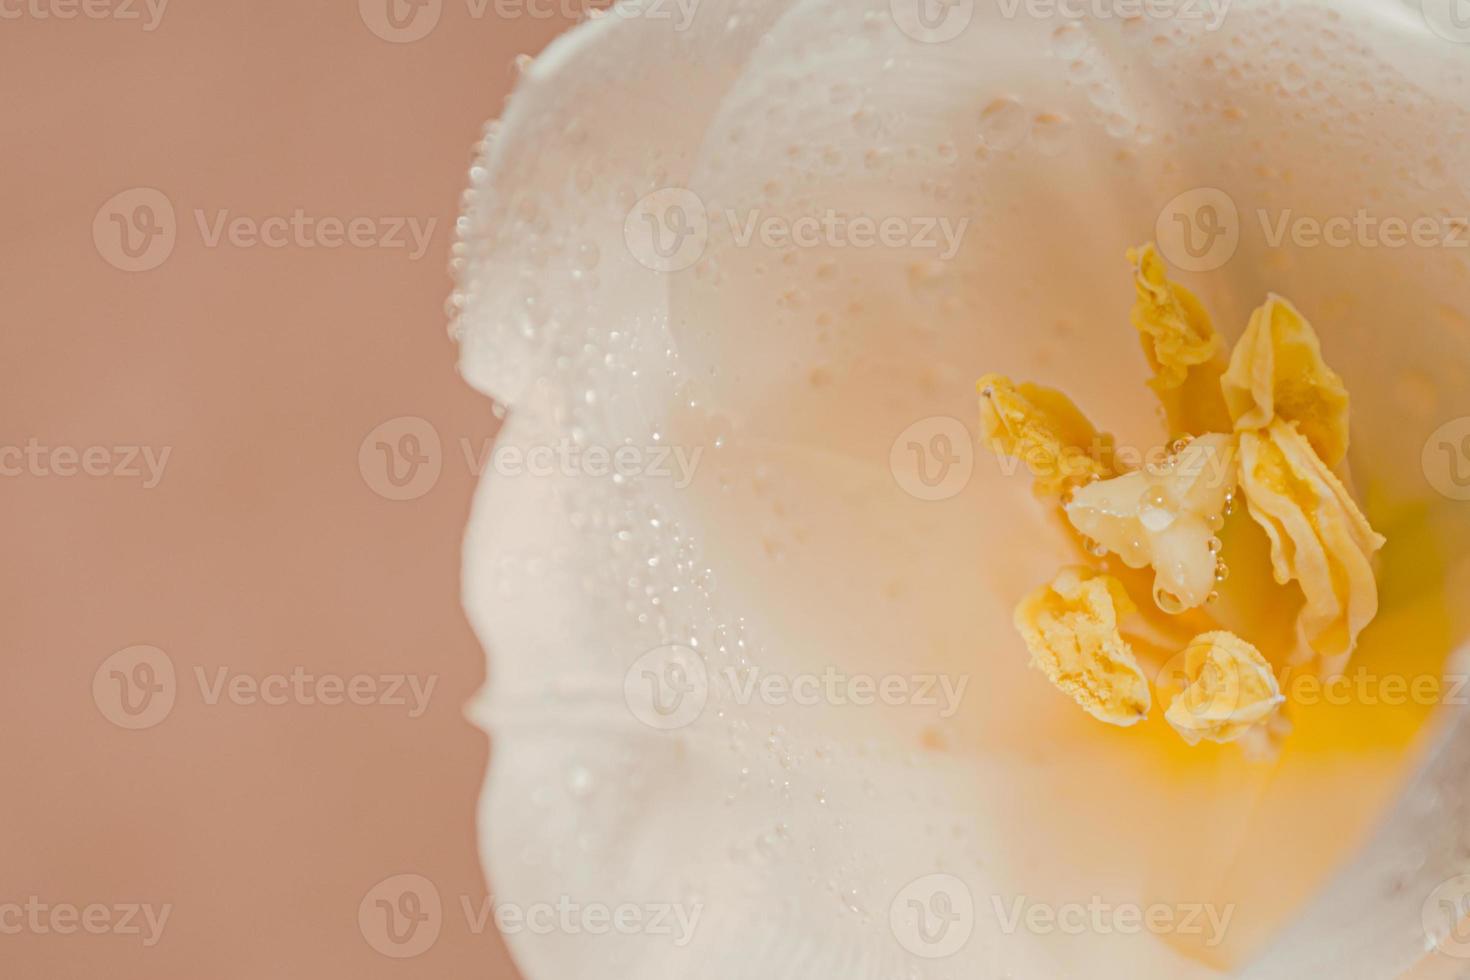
795 552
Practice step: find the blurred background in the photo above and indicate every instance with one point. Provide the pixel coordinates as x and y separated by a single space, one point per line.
235 463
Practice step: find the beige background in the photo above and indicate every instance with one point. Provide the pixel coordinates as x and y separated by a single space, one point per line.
264 547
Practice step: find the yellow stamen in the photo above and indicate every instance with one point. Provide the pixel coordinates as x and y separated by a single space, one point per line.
1042 428
1277 372
1319 537
1071 629
1183 349
1228 689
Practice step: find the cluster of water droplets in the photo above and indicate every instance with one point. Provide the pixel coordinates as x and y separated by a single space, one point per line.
633 556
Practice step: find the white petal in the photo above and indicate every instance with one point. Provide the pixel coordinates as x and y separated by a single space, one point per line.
795 829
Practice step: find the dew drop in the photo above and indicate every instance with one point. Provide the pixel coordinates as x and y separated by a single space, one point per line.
1294 77
1004 124
580 781
1068 41
1051 133
588 255
1168 601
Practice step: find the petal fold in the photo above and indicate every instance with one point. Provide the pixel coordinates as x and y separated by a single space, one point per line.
1319 537
1277 371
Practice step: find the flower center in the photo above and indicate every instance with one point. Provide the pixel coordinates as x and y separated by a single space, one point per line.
1269 424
